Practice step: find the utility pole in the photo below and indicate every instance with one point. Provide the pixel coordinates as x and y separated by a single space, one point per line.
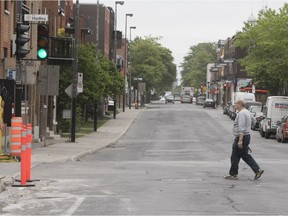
75 75
125 60
96 61
18 92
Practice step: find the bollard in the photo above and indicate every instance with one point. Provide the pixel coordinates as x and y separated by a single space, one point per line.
15 136
24 161
23 179
29 150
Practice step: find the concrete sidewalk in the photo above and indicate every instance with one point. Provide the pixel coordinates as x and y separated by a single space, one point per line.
106 135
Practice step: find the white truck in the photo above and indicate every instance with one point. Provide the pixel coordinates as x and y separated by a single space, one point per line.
249 98
275 108
187 91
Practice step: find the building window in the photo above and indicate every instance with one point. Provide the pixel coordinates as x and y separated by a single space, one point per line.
11 49
5 50
6 7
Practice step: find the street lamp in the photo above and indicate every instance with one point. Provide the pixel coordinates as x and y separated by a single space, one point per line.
115 49
125 59
115 29
131 27
130 91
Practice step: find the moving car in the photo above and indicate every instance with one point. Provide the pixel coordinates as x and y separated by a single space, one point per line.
169 99
282 130
186 99
200 100
209 103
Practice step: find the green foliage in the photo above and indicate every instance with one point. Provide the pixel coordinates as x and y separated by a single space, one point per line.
99 80
194 66
152 62
267 51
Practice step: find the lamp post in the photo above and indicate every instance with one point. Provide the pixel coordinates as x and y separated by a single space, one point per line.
208 89
125 59
129 86
115 30
115 49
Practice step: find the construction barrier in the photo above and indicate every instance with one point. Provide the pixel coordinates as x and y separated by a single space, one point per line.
15 136
28 150
25 166
23 157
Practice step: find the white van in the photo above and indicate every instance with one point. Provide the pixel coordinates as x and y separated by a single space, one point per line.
275 108
246 96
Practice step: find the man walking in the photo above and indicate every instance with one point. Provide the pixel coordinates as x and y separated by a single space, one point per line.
240 148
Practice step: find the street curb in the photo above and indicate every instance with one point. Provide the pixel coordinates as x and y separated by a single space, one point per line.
8 180
92 151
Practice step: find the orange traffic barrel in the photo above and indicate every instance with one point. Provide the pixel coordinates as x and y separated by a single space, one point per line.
15 136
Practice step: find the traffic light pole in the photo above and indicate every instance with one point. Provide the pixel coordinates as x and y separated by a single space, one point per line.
75 76
18 92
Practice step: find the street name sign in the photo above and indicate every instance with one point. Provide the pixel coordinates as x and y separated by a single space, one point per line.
36 17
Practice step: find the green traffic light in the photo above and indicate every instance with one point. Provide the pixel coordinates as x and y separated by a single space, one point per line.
42 53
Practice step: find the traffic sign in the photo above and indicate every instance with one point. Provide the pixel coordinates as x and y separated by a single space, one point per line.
68 90
36 17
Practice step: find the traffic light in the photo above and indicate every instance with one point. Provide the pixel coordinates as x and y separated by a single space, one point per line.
42 41
21 39
224 86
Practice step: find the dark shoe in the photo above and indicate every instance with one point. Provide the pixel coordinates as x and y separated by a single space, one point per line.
258 174
231 177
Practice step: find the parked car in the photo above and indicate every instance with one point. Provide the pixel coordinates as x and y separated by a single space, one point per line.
110 103
226 108
275 109
162 99
255 109
200 100
209 103
282 130
177 98
262 133
258 117
249 99
169 99
186 99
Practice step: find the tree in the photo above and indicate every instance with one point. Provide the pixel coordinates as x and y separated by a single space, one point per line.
267 51
99 80
194 66
153 63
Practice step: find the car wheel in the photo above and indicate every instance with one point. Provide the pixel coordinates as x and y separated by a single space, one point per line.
277 138
262 133
267 135
283 140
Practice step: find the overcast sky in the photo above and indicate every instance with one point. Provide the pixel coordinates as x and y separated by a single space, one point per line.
184 23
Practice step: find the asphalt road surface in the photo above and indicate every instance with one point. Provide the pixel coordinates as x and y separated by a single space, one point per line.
171 161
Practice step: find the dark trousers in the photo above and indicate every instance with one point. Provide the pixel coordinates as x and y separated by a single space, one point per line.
237 154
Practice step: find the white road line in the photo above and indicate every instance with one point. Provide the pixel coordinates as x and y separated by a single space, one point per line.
74 207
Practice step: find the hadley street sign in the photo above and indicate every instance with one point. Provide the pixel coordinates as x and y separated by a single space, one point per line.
36 17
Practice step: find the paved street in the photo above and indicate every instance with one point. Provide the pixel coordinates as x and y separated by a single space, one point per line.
171 161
